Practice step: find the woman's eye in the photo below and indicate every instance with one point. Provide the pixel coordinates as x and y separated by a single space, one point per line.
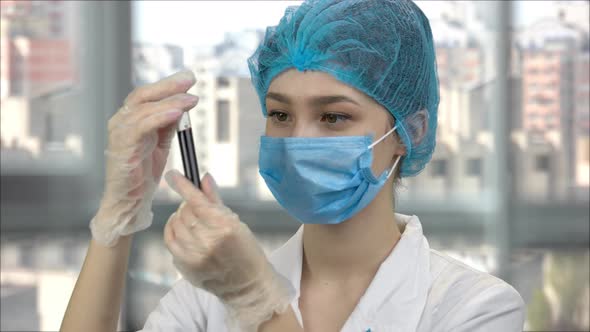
279 116
333 117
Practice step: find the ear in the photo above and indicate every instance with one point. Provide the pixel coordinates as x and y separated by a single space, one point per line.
417 126
400 148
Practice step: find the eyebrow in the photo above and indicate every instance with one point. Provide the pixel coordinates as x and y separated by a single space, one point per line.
315 101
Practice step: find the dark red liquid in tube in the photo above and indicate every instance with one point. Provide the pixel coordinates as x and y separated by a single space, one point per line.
187 150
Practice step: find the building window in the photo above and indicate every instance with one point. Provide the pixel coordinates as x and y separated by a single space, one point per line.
222 121
439 168
542 163
474 167
17 87
222 82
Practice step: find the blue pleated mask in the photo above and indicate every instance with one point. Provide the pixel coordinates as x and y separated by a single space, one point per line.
321 180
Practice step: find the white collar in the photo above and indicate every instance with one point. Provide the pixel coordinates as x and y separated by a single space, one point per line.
396 297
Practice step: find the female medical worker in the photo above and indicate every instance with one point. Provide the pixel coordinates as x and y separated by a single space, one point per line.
350 95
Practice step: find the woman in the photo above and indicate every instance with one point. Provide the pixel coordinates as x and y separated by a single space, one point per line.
350 95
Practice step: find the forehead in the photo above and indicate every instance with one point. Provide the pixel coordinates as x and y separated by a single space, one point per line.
313 83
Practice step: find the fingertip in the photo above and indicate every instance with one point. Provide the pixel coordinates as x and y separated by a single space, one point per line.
212 182
184 76
210 189
171 177
206 179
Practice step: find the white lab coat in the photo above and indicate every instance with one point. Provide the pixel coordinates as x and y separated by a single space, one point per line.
415 289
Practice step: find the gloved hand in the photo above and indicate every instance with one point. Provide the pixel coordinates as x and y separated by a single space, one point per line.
140 134
214 250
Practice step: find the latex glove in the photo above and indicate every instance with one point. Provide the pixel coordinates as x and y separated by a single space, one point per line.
139 140
214 250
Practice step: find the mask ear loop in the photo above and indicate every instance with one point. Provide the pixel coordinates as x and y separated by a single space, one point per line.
394 165
378 141
382 137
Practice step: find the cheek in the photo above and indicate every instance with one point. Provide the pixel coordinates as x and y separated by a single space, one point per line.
269 129
380 159
266 127
272 130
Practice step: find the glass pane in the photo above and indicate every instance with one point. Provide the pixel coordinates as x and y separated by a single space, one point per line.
466 66
454 194
549 162
38 275
217 48
551 113
41 118
554 283
214 43
51 107
223 121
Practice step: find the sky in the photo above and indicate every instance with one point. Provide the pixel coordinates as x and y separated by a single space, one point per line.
202 23
194 23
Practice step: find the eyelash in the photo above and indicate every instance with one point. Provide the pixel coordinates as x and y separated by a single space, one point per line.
341 117
273 114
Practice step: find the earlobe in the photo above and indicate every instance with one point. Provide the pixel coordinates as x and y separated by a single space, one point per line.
401 151
398 154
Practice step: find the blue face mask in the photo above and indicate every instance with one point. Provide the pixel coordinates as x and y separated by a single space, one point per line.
321 180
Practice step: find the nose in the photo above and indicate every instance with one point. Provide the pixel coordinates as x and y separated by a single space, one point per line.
304 129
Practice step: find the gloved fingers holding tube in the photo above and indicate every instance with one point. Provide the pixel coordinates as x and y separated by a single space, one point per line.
214 250
139 136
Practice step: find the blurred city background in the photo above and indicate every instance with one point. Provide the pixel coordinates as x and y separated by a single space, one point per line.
507 190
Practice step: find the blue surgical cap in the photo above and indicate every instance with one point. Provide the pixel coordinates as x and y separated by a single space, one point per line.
383 48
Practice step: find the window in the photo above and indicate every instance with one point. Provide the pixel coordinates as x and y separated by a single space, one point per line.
222 82
474 167
503 223
43 94
439 168
223 121
541 100
53 113
542 163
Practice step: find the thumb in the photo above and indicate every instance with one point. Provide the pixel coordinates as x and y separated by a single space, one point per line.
209 188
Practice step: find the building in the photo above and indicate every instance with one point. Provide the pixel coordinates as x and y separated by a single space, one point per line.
582 162
459 54
15 132
540 168
582 93
574 12
37 47
38 66
154 62
582 119
550 54
27 133
227 122
226 126
553 59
